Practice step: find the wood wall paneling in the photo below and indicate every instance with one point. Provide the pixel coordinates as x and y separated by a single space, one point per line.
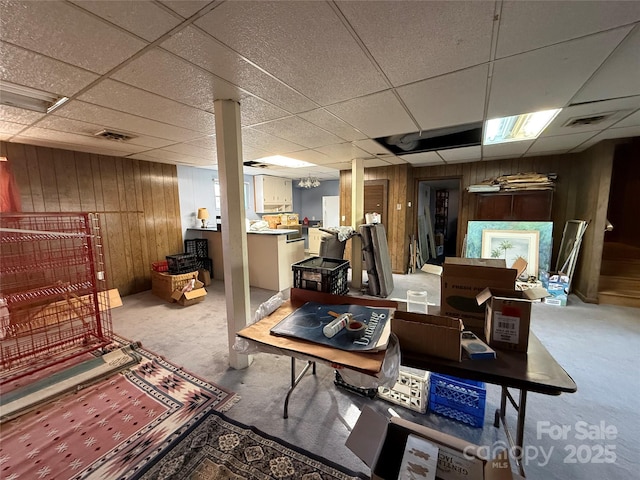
137 202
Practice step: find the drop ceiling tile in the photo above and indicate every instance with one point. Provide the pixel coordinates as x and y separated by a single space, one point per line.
626 132
632 120
375 162
281 37
371 146
19 115
561 143
69 34
208 142
392 159
193 151
423 158
81 140
376 115
208 53
511 149
115 120
254 110
548 77
68 145
10 128
185 8
453 99
163 155
528 25
323 119
461 154
166 75
342 152
615 109
251 153
310 156
416 40
339 166
68 125
145 19
619 76
275 145
159 156
128 99
30 69
300 131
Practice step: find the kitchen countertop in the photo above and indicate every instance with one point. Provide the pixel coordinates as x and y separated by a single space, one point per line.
273 231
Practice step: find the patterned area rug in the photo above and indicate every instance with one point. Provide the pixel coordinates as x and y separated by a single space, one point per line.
112 429
219 448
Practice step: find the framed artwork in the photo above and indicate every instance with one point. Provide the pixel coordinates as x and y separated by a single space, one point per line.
545 243
511 245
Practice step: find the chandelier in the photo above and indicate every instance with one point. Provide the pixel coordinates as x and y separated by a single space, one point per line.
309 182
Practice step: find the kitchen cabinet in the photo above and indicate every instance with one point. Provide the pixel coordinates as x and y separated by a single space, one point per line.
273 194
533 205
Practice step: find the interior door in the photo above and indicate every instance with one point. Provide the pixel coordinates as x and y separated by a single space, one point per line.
375 199
331 211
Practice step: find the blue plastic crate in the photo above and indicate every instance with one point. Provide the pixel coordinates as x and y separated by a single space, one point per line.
459 399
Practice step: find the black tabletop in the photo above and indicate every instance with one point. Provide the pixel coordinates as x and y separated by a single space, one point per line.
534 371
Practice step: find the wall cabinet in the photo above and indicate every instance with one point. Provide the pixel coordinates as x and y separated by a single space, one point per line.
273 194
530 205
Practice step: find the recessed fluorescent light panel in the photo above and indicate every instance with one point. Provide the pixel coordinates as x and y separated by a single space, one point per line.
518 127
281 161
29 98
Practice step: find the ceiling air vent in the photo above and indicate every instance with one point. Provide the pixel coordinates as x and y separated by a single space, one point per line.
113 135
589 120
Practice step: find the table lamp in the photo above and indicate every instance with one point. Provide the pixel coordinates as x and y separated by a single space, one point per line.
203 214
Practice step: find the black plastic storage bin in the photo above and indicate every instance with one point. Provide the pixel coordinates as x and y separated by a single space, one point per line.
322 274
198 246
182 263
205 263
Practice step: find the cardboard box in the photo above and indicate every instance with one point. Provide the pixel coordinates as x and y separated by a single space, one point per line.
508 316
425 334
191 297
380 443
557 284
463 279
164 284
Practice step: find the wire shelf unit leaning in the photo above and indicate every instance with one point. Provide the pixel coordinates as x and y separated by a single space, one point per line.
54 303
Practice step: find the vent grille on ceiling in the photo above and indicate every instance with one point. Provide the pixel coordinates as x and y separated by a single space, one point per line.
588 120
113 135
254 164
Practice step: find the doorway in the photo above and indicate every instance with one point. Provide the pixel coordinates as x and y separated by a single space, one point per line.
375 199
439 202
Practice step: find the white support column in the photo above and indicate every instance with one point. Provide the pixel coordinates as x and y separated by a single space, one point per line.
357 215
234 230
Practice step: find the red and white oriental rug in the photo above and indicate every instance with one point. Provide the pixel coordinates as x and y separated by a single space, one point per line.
111 429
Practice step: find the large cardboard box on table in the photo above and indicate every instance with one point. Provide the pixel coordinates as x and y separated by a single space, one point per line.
434 335
508 316
463 279
380 443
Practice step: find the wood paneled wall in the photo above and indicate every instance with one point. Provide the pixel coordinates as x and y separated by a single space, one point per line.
399 193
137 202
580 176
